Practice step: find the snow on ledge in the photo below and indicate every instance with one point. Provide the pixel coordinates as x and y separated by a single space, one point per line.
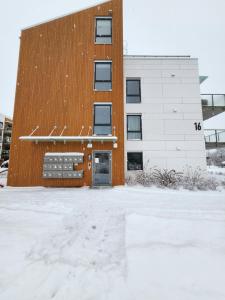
64 154
69 138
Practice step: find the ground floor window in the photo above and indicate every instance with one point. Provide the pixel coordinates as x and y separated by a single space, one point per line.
134 161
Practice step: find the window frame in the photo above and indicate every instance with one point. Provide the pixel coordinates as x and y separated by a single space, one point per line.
97 81
103 36
142 165
102 125
132 95
134 131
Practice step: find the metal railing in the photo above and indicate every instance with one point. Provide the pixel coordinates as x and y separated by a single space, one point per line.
213 100
215 136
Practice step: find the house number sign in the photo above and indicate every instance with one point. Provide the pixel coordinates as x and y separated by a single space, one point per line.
198 126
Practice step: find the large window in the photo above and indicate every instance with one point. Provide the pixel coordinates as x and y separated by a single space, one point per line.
133 90
134 127
102 119
103 76
103 30
134 161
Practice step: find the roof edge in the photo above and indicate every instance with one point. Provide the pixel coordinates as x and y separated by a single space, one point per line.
160 56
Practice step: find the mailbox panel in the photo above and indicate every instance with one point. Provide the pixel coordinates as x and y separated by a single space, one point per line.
62 166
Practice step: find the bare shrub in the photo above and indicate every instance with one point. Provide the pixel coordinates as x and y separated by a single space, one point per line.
145 178
131 179
216 157
167 178
197 180
140 177
191 180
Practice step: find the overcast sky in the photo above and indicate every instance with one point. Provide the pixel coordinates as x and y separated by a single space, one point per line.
159 27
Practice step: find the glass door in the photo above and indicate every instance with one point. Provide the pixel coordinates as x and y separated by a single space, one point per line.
102 169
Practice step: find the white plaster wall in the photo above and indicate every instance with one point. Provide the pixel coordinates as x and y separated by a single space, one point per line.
170 105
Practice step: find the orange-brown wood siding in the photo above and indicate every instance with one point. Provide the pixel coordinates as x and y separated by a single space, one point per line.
55 88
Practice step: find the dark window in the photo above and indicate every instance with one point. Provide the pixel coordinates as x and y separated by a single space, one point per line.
133 90
103 31
103 76
134 127
1 125
102 119
134 161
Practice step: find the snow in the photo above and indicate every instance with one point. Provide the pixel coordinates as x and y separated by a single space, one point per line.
64 154
110 244
88 138
3 176
216 170
216 122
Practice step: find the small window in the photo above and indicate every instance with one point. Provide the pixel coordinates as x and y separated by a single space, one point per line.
102 119
103 30
133 90
134 127
134 161
1 125
103 76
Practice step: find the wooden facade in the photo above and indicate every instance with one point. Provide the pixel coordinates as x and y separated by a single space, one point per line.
55 88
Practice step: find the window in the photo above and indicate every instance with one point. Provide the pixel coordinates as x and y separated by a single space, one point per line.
103 76
1 125
103 30
134 161
133 90
134 127
102 119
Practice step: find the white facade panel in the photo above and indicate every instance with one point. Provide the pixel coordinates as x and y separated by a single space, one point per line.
170 106
180 90
182 74
181 127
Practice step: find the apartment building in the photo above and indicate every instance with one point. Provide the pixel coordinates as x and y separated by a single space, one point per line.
163 113
94 115
5 137
1 132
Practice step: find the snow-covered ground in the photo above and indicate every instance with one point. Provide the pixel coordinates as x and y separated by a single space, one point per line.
214 170
3 177
217 172
111 244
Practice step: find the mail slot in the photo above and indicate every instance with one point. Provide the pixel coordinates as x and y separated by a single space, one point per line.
68 167
52 175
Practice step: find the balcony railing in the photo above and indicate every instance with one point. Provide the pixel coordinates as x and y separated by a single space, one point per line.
213 100
214 138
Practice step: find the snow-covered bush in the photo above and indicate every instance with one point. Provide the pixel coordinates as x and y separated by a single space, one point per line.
167 178
191 179
216 157
157 177
141 178
197 180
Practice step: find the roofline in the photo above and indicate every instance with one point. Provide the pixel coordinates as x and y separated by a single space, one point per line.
212 94
65 15
159 56
207 129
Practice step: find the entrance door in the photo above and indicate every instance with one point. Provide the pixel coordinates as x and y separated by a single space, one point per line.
102 169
